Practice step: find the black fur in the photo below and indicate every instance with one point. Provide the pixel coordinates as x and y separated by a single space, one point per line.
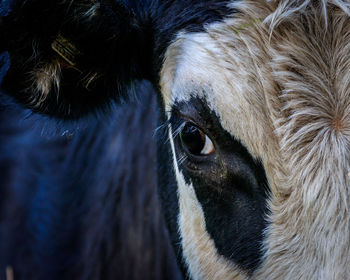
230 185
168 189
190 16
113 45
125 41
83 205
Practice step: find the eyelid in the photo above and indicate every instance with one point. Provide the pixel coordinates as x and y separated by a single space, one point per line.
177 113
178 119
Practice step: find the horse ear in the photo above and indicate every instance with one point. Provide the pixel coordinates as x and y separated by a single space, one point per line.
72 58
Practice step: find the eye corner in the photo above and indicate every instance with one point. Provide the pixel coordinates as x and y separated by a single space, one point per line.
209 147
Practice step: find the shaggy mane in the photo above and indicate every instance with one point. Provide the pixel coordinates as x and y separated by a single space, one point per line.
287 9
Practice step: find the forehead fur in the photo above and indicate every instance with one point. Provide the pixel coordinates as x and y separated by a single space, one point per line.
277 75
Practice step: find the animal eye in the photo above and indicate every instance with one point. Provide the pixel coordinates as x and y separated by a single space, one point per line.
195 141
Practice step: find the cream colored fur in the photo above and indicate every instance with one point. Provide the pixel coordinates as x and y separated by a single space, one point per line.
47 76
44 78
199 250
282 86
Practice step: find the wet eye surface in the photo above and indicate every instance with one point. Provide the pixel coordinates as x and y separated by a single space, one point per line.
195 141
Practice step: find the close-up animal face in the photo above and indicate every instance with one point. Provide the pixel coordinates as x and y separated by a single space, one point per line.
254 159
258 128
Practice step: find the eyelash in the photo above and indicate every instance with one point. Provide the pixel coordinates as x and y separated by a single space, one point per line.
173 122
176 124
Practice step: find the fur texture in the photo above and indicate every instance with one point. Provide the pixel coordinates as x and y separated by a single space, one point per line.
274 72
281 86
112 49
82 203
117 42
199 252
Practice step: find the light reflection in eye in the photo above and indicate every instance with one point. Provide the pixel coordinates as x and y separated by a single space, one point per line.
195 141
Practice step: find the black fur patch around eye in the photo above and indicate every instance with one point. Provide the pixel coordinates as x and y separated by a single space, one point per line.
231 187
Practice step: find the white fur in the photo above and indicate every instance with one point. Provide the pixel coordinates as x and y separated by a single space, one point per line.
281 86
45 78
199 250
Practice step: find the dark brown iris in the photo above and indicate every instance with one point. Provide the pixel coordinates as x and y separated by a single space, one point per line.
192 139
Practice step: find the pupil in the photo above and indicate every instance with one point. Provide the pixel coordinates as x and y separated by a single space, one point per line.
192 139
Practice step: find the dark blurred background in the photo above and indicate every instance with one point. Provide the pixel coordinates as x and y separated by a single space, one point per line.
79 200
